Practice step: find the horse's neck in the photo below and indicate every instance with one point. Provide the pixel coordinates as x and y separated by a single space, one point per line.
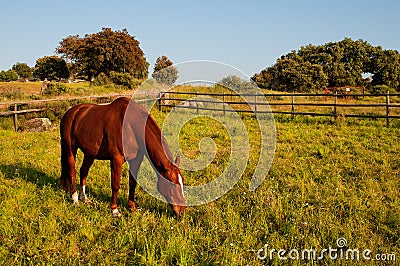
158 151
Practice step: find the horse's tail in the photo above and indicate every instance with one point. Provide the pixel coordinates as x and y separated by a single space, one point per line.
68 152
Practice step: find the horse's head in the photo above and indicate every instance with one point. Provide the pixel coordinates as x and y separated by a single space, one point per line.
171 187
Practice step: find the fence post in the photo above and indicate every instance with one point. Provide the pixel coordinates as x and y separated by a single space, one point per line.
255 104
292 105
334 105
159 101
223 102
15 118
197 103
387 108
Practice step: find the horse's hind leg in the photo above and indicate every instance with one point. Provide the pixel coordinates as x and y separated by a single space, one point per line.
87 163
72 176
116 164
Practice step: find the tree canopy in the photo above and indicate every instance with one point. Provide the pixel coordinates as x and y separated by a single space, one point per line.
23 70
51 68
104 52
9 75
334 64
238 84
164 71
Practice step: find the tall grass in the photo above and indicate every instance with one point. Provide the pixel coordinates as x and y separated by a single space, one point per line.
328 180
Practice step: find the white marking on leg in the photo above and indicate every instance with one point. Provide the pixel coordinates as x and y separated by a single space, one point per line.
82 195
116 213
181 183
75 198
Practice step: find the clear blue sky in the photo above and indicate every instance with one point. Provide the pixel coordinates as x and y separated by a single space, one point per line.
248 35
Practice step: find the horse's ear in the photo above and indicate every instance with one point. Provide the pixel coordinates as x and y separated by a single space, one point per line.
178 160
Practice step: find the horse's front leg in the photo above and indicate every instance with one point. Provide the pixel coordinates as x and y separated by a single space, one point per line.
133 171
116 164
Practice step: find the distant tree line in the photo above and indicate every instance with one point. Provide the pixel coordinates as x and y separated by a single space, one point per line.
107 56
334 64
18 71
116 57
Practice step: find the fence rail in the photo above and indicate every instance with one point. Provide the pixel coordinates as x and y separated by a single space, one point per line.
15 112
172 99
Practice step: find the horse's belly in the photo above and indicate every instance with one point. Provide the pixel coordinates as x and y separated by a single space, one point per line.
104 154
98 150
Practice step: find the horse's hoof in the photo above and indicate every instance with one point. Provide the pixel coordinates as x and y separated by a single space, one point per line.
75 199
116 213
87 201
132 206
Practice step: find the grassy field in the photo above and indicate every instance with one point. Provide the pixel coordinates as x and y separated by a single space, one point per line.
28 91
328 180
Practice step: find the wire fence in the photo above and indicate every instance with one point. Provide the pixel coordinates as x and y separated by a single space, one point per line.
376 106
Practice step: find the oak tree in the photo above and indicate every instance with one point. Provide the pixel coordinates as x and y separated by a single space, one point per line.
333 64
51 68
104 52
23 70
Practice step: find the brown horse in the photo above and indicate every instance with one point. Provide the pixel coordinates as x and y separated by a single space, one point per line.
98 130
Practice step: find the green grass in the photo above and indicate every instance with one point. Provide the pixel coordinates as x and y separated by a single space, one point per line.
328 180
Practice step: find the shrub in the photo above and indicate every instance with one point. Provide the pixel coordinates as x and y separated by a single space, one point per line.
236 83
11 94
101 80
382 89
124 79
55 89
116 78
56 110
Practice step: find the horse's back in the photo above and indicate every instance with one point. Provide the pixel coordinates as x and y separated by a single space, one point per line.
95 129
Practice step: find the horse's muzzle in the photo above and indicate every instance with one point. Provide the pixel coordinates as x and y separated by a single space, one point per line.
179 210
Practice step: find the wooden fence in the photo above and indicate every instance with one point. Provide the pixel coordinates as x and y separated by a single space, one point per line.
296 103
15 105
